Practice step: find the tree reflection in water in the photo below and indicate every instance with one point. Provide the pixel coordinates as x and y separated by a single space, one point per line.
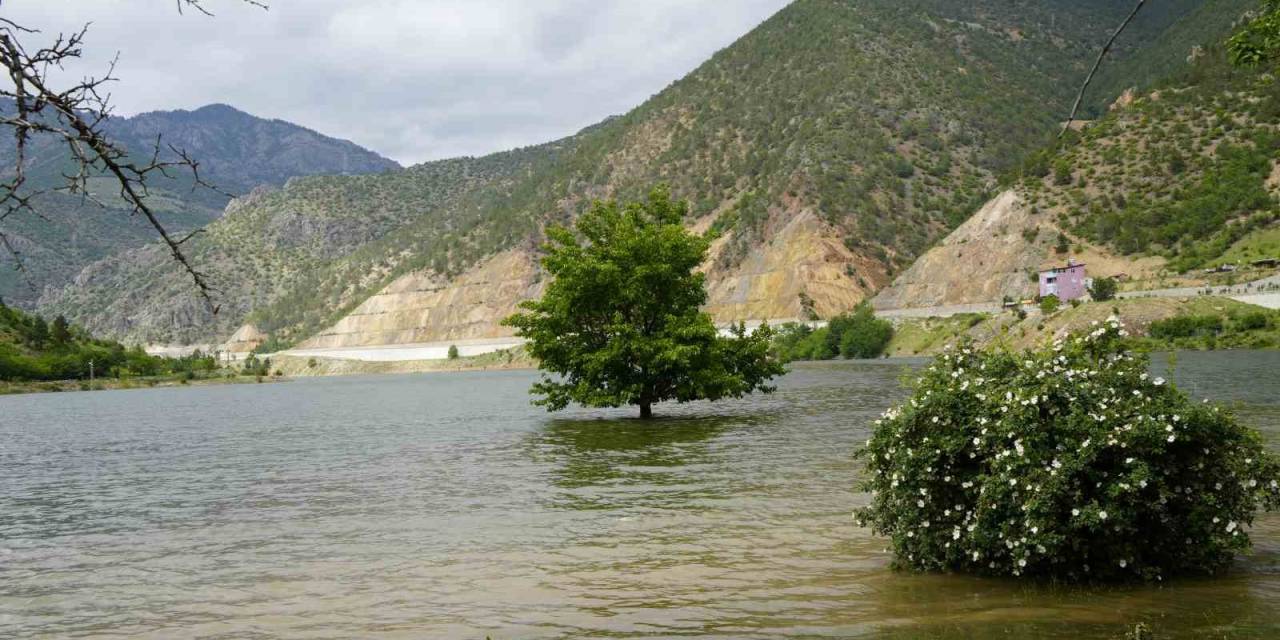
670 463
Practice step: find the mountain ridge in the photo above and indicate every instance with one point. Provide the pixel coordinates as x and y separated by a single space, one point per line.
880 125
236 151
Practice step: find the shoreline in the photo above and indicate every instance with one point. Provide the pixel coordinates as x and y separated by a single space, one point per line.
434 366
111 384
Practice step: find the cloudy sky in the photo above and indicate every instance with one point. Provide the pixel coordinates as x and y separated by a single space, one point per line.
412 79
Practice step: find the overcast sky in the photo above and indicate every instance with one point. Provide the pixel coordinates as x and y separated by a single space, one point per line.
412 79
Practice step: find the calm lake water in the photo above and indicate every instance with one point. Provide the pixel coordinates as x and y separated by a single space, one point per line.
443 505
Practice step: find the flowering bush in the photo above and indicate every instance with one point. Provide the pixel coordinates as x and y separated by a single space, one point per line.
1070 462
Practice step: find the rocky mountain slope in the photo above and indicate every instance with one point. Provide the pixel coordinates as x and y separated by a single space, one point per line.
236 152
996 254
1179 178
826 149
1185 172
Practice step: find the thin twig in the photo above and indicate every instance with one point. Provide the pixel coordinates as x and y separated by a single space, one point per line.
74 118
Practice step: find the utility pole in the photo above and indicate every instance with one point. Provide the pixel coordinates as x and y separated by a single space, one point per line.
91 375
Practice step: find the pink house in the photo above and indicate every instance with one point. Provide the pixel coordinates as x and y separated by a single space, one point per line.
1067 283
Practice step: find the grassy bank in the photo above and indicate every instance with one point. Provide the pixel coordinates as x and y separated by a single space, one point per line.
103 384
1179 323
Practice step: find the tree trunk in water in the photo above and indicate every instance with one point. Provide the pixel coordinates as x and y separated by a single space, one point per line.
646 410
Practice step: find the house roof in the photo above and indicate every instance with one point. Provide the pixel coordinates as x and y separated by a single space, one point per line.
1062 269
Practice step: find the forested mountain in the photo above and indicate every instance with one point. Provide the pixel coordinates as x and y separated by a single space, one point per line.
826 149
236 152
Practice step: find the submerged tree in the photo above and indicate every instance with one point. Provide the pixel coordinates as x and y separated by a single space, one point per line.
621 322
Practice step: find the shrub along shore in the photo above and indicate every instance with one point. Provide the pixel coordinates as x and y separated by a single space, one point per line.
1156 324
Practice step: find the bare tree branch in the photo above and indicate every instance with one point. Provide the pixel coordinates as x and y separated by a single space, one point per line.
198 5
73 119
1098 63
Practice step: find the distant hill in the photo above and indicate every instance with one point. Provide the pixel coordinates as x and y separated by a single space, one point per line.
1174 178
1185 172
236 151
825 150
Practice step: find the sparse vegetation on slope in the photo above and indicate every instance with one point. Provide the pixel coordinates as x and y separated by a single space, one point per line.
1186 172
1200 323
886 121
236 152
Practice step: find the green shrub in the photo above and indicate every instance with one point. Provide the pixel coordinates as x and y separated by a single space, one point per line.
453 352
852 335
1068 462
1103 289
1185 327
1252 321
1049 304
865 336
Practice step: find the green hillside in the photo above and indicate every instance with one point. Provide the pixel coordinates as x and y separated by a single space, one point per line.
889 119
33 349
236 152
1186 171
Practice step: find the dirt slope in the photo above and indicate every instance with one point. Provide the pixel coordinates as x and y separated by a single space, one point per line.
993 254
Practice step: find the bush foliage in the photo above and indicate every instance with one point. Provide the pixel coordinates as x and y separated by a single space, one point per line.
851 335
1049 304
1103 289
1069 462
33 349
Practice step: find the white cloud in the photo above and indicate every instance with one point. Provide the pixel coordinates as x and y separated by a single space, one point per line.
412 79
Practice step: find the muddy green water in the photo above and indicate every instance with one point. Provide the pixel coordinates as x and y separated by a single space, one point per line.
445 506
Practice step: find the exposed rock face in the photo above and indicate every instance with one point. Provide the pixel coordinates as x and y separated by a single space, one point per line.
983 260
993 254
803 257
1125 100
422 307
245 339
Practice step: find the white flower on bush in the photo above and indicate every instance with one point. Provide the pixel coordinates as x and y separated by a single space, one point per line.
1056 465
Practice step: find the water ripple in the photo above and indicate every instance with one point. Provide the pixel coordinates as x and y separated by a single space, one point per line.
446 506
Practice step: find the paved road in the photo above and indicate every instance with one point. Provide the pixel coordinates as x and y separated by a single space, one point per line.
415 351
1264 292
940 312
1259 292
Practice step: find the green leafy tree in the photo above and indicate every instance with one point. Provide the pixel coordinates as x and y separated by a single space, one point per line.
38 335
1103 289
60 332
453 352
620 323
865 335
1258 41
